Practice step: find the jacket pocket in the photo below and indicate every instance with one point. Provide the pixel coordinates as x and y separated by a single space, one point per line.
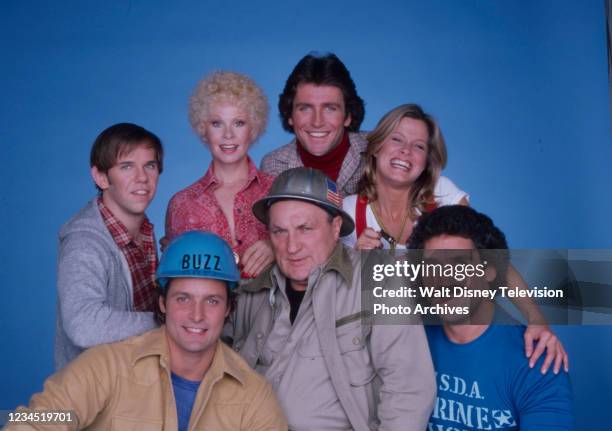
121 423
222 416
266 354
353 341
310 347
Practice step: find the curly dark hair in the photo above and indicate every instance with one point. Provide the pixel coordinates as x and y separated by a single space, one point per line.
468 223
322 70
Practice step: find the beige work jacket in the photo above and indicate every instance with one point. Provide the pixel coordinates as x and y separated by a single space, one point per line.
127 386
390 364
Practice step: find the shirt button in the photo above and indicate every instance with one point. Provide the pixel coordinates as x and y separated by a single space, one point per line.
259 335
239 241
238 211
356 341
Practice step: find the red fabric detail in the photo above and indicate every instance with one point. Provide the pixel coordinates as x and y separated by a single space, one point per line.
196 208
329 163
360 214
142 260
430 206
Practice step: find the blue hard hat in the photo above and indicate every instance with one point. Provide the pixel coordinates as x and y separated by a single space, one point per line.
198 254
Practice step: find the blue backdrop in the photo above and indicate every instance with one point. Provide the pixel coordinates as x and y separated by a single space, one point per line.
519 87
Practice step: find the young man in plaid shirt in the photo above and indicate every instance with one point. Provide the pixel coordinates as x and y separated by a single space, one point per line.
107 256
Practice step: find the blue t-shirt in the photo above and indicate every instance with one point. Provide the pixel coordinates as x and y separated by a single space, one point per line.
185 392
487 385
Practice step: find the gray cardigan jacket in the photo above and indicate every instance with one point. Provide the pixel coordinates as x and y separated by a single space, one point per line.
94 288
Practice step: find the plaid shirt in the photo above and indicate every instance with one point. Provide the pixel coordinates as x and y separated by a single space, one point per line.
142 260
197 208
287 157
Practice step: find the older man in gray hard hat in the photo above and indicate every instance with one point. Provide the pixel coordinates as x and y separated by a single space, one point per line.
299 323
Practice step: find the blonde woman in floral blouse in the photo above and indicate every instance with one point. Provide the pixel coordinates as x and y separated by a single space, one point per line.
228 111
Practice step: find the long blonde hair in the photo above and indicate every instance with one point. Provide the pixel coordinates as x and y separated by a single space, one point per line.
422 191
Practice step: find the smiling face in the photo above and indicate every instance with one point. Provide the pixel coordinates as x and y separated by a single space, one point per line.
195 310
228 133
402 157
129 186
319 117
302 238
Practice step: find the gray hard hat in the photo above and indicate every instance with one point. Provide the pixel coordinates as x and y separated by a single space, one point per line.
309 185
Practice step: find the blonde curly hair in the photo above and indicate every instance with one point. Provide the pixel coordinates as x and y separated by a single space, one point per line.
422 192
228 87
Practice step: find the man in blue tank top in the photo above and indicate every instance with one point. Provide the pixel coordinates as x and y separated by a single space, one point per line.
482 377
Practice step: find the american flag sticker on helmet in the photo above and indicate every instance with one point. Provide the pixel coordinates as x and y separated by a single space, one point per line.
332 193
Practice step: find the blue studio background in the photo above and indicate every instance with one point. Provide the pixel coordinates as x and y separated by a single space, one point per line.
519 87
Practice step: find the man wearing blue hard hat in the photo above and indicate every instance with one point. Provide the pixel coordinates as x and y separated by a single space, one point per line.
179 376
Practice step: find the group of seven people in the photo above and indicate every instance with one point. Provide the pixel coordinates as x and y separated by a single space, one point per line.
268 259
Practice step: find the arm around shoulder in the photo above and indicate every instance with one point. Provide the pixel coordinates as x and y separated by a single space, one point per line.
544 401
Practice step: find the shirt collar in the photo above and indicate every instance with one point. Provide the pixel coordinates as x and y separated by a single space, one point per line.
209 179
154 343
125 237
339 261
